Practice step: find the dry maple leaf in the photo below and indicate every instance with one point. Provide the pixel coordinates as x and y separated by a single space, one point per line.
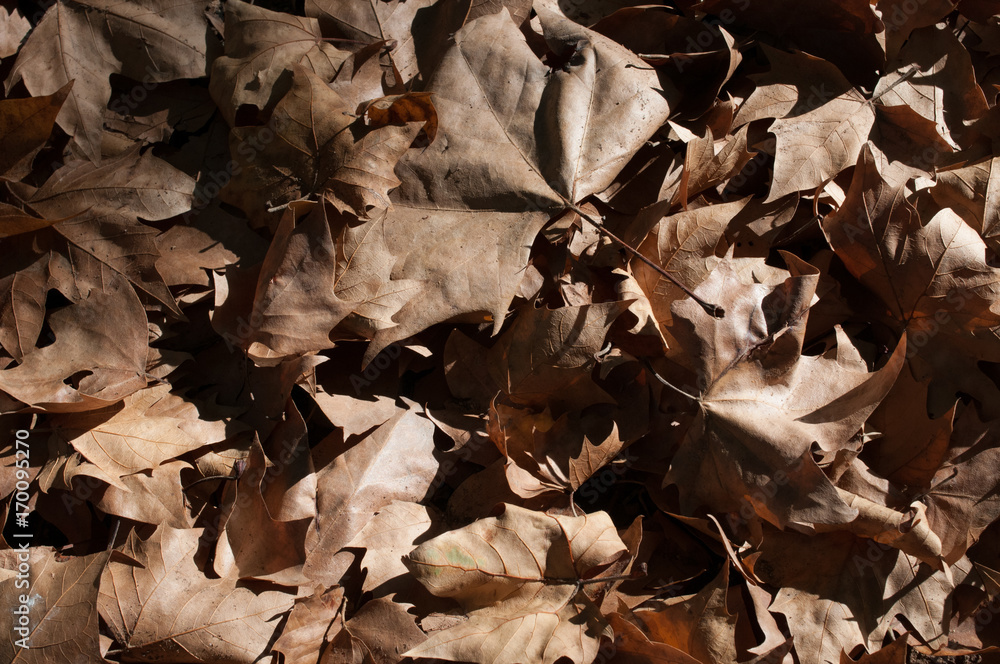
707 165
168 606
62 612
829 590
86 42
551 456
902 19
838 591
933 75
154 496
699 625
315 147
395 462
25 125
687 245
763 405
703 56
103 203
517 577
380 632
550 136
973 192
933 276
257 540
550 353
296 304
144 430
310 625
261 47
99 353
596 112
13 29
389 535
417 31
962 497
912 445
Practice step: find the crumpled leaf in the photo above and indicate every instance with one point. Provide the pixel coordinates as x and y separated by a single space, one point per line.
262 46
762 404
314 147
86 42
516 576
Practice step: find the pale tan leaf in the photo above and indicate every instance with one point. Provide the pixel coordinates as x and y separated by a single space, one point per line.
60 598
395 462
516 577
146 429
169 606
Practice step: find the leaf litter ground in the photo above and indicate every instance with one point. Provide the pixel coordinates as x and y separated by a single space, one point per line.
338 331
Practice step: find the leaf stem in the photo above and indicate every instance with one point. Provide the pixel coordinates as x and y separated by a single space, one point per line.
650 369
713 310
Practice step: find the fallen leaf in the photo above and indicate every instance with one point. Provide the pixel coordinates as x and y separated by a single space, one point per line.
516 576
97 359
324 151
146 429
933 75
390 535
104 201
60 598
261 47
961 496
311 624
698 625
762 405
256 541
169 605
13 31
971 191
25 125
395 462
932 275
86 42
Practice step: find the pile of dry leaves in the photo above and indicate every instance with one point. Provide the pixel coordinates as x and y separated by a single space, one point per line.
315 348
